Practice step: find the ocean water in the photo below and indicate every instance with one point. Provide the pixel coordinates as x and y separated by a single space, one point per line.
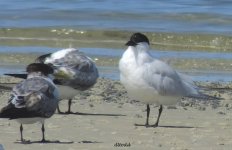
178 29
210 16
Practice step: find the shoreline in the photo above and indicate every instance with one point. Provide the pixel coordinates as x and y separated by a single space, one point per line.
111 38
184 64
107 118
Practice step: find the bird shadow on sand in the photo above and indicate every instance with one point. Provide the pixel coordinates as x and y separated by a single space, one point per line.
186 127
89 114
57 142
46 142
89 142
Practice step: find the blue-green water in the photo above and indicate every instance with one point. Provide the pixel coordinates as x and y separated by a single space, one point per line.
211 16
109 69
179 29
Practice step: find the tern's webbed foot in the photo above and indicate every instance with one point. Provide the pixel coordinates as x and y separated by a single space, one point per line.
152 126
65 113
23 141
147 125
69 112
47 141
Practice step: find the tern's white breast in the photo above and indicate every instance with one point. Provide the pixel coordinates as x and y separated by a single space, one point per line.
138 90
132 70
30 120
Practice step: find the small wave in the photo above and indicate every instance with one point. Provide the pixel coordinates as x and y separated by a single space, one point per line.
64 37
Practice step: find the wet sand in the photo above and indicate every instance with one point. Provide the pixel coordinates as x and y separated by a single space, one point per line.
107 116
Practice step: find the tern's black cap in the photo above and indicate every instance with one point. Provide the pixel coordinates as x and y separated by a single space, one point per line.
137 38
42 58
39 67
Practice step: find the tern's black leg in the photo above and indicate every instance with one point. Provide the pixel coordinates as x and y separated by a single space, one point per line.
147 119
157 121
148 113
69 106
21 132
43 130
58 109
43 138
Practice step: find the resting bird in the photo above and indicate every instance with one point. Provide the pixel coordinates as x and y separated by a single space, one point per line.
33 99
150 80
71 68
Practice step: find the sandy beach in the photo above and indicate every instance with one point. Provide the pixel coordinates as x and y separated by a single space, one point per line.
106 117
193 37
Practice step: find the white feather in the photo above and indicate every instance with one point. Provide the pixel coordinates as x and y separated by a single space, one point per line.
59 54
150 80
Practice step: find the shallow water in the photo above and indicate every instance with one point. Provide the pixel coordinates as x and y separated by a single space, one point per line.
202 66
192 36
112 52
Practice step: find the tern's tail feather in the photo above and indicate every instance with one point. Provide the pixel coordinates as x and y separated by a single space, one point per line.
21 75
11 112
6 112
203 96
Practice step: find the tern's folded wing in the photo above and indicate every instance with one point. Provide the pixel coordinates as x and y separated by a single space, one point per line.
167 81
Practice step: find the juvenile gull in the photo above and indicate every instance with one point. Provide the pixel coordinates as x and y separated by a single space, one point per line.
72 69
150 80
33 99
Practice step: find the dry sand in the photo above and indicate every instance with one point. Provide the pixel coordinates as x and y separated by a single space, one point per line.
109 115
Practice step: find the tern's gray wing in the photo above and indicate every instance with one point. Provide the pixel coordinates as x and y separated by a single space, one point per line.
35 95
166 81
75 69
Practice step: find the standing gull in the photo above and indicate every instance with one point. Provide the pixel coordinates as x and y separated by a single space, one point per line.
73 71
150 80
34 99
